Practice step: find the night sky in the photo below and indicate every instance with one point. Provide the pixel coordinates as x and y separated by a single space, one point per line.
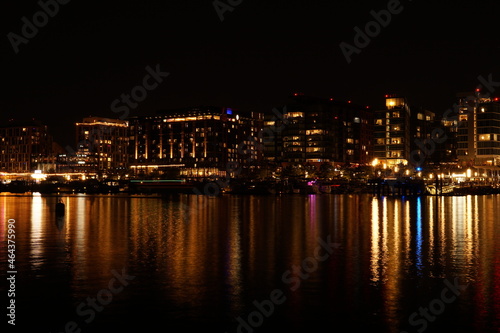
91 52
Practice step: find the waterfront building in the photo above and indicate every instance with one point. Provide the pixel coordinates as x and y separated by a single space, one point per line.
479 130
392 132
102 146
197 141
314 130
26 146
445 153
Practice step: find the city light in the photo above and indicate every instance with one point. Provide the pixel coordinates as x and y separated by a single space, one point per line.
38 175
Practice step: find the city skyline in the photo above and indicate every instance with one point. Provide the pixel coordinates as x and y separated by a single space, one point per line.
84 58
72 133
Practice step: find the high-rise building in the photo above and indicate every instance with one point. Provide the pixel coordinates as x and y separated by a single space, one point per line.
479 130
446 147
102 146
392 132
25 147
200 141
319 130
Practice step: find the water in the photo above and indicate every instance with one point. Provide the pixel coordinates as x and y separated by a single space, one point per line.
216 264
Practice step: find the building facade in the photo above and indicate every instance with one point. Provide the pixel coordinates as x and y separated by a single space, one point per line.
102 146
392 132
314 130
199 141
479 130
26 147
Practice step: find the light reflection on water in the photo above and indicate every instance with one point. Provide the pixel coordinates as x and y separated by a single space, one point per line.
204 266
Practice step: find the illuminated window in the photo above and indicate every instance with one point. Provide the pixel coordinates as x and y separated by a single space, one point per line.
315 150
395 115
392 103
294 115
395 153
485 137
378 122
314 132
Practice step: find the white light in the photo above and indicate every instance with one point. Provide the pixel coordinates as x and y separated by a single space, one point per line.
38 175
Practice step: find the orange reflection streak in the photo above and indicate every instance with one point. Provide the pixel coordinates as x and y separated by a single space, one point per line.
375 245
36 244
392 290
4 218
442 230
407 234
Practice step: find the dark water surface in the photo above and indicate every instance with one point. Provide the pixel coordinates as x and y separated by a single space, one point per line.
193 263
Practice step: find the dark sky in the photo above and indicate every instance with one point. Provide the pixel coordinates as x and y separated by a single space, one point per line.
91 52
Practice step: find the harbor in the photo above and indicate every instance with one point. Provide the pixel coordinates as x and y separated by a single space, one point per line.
375 186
